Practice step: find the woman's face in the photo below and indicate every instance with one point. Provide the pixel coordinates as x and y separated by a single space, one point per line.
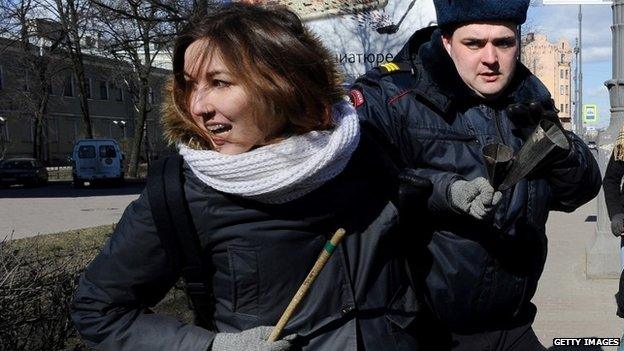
219 104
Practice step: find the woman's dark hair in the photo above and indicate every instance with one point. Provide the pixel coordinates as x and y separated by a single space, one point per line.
285 69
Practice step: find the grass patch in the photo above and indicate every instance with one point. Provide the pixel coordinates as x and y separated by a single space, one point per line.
38 276
79 244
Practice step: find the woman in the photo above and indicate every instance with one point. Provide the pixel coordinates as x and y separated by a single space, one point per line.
274 162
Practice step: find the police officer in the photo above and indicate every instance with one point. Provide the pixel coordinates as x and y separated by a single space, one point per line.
612 189
614 198
451 90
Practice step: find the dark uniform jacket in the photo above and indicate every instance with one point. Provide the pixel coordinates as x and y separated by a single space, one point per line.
483 274
614 198
260 255
612 186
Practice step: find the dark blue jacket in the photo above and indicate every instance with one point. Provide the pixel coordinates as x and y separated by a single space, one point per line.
483 273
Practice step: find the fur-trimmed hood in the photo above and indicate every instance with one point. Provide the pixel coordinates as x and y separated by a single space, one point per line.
178 129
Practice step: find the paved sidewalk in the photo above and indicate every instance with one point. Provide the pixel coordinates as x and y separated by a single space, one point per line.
26 212
568 304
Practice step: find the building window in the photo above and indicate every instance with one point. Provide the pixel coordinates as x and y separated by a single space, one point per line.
566 108
68 87
566 74
562 57
561 74
120 94
561 89
52 129
103 90
561 109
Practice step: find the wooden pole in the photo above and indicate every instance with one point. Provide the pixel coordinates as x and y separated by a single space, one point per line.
305 286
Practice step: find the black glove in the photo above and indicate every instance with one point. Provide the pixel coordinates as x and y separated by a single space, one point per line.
531 113
617 224
527 116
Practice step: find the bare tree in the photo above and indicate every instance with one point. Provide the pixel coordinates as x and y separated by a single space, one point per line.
73 18
35 42
135 31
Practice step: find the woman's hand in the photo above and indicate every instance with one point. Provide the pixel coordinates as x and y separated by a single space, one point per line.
254 339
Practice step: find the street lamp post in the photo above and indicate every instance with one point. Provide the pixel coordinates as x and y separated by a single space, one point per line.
580 130
122 125
3 140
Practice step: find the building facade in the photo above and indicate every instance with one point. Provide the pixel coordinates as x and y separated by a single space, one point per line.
551 63
110 99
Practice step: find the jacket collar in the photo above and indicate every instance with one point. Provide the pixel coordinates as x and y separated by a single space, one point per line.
438 82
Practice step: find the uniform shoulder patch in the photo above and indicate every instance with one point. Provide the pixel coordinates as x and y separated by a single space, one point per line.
356 97
393 67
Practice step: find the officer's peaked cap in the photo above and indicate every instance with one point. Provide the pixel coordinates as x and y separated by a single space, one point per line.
452 12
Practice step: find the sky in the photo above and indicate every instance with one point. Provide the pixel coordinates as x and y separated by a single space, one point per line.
561 22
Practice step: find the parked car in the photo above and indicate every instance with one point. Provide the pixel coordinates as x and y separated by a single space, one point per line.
26 171
97 160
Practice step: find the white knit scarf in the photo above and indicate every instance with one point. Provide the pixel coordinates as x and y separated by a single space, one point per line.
283 171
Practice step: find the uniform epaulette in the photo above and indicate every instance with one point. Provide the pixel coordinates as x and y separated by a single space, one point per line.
394 67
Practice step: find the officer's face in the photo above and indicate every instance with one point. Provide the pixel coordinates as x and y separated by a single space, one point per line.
485 55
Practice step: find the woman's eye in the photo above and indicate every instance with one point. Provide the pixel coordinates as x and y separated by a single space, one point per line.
220 83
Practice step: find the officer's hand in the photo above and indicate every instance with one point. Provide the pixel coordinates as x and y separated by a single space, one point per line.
476 198
617 224
254 339
530 114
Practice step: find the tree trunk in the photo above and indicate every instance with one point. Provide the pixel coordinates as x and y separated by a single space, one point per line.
40 142
84 102
133 167
70 22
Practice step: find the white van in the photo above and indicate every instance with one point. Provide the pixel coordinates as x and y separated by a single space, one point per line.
97 160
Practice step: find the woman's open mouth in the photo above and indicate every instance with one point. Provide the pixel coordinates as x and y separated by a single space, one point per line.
219 128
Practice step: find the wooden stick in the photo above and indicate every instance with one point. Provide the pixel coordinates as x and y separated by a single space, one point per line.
305 286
